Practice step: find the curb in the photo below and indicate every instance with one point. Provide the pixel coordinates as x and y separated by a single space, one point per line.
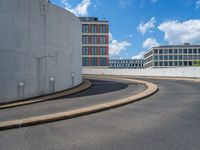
151 89
85 85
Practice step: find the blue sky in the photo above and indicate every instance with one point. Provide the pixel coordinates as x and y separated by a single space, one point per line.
137 25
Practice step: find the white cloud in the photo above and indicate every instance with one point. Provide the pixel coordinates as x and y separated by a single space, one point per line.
115 47
149 43
181 32
144 27
197 4
139 56
80 9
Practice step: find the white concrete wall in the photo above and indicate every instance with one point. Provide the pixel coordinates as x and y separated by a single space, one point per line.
169 72
37 41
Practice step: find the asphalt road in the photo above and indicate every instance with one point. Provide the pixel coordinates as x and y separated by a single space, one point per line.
101 91
168 120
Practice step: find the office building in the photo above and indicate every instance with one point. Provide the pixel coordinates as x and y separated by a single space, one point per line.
126 64
95 40
172 56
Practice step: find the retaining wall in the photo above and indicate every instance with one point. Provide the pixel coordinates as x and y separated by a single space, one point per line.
165 72
40 49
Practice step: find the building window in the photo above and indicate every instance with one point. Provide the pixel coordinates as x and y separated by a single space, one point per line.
102 28
190 51
170 63
190 63
160 51
102 61
185 57
175 63
170 51
170 57
160 63
85 28
161 57
85 39
94 28
199 51
156 63
166 57
102 50
94 50
94 61
175 51
102 39
175 57
156 51
93 39
185 63
166 51
165 63
190 57
180 51
85 62
85 50
195 51
185 51
180 57
155 57
180 63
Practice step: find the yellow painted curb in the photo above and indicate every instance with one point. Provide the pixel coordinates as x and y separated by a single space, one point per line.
85 85
151 89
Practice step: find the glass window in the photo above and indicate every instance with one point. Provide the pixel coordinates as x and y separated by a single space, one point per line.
175 57
175 51
170 63
94 39
166 57
161 57
190 51
160 63
102 39
170 51
190 57
94 28
156 63
180 57
170 57
180 63
166 51
85 62
160 51
195 57
85 39
175 63
190 63
180 51
155 57
185 57
94 50
185 63
199 51
85 28
102 28
85 50
94 61
156 51
165 63
195 51
185 51
102 50
102 61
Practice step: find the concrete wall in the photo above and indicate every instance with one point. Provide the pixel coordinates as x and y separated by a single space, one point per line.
169 72
40 49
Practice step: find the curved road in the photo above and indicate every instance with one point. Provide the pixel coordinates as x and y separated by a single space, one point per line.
168 120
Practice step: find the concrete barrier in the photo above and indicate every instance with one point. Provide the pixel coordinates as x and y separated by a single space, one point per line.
193 72
40 49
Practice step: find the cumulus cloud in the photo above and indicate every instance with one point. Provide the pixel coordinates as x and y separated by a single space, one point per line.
144 27
139 56
181 32
197 4
149 43
115 46
80 9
